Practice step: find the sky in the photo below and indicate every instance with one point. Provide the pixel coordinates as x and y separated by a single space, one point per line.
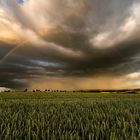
68 44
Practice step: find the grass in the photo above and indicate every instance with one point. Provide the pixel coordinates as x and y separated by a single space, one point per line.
68 116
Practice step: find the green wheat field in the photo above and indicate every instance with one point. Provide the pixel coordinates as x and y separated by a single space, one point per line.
69 116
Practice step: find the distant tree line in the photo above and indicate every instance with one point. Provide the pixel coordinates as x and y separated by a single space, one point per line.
82 91
89 91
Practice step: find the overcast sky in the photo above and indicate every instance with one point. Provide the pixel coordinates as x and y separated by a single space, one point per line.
70 44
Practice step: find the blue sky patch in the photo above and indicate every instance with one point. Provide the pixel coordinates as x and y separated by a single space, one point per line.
20 1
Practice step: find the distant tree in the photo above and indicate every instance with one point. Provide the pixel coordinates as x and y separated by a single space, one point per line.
26 90
37 90
46 90
33 90
7 91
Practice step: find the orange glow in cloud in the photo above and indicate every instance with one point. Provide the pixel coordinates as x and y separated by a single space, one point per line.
80 83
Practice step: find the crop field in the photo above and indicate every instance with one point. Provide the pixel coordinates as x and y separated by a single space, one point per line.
69 116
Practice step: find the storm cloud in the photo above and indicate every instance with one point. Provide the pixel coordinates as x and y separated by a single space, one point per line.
69 44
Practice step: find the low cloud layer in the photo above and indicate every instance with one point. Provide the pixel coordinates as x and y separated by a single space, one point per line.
80 43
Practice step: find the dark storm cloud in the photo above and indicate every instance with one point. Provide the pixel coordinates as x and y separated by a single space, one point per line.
69 47
21 65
